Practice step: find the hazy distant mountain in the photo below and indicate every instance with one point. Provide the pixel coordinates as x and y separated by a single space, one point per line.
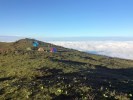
14 38
9 38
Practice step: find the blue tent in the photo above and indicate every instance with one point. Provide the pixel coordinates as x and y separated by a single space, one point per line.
35 44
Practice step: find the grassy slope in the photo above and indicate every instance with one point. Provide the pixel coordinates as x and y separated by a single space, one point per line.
68 74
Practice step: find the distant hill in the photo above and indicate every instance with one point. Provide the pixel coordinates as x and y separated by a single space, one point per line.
22 44
64 75
10 38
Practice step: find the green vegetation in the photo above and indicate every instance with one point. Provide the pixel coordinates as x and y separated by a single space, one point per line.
67 74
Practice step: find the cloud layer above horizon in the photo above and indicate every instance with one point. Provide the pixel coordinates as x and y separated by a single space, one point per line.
120 49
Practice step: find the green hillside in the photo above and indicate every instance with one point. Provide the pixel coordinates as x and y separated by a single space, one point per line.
64 75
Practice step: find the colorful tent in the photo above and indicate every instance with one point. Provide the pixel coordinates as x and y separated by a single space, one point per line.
53 50
35 44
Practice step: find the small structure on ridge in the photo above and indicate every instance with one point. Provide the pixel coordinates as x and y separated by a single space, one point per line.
41 49
28 49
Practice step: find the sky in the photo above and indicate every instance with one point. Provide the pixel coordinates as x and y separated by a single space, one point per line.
66 18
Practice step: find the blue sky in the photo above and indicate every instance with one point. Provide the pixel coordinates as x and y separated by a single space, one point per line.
66 18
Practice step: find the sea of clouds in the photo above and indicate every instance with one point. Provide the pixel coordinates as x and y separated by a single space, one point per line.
113 47
120 49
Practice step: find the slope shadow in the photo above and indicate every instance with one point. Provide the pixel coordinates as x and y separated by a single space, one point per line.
69 62
120 80
5 79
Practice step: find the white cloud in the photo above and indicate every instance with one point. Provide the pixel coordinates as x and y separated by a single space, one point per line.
120 49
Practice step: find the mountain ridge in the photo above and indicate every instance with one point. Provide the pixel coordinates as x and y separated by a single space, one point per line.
65 74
